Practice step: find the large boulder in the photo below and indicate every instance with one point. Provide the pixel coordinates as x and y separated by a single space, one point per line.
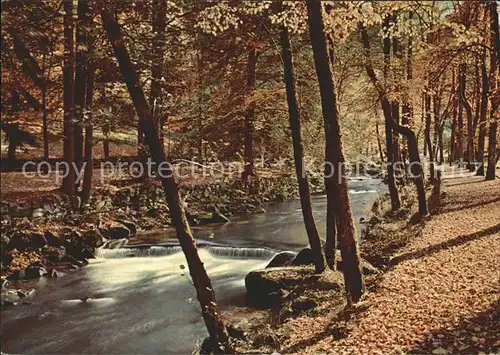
116 230
282 259
304 257
263 291
132 227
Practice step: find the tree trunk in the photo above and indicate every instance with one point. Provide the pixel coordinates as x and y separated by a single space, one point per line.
298 154
69 97
105 142
460 127
391 180
204 288
80 78
45 128
156 96
453 150
485 88
250 113
415 164
379 144
347 235
89 136
428 143
494 65
468 112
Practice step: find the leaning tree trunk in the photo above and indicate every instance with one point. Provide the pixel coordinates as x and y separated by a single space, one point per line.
485 88
347 235
250 113
415 164
298 155
202 284
494 66
379 144
69 97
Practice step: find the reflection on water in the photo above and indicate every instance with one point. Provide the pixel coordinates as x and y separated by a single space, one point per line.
146 304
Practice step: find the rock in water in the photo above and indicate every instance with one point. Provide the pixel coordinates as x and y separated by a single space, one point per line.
281 259
304 257
218 217
117 231
129 224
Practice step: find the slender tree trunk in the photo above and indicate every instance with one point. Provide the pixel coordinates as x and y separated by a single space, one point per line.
391 180
44 110
347 235
468 112
156 97
202 284
485 88
298 154
460 127
494 66
428 118
415 164
105 142
453 150
69 97
250 113
89 136
379 144
80 78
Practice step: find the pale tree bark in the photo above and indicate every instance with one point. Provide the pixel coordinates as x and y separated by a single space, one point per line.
298 155
202 284
345 227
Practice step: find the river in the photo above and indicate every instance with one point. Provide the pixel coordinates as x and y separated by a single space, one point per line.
137 298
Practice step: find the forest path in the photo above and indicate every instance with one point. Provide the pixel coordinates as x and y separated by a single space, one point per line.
441 296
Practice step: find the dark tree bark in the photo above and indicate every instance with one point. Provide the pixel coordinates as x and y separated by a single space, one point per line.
468 113
379 144
45 127
453 145
89 136
105 141
415 164
460 121
494 66
69 97
202 284
83 25
428 142
347 235
485 88
250 113
391 180
298 155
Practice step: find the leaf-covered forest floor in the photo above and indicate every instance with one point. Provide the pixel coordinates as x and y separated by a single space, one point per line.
440 290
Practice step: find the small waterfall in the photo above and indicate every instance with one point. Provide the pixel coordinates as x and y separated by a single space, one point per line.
104 253
164 250
241 253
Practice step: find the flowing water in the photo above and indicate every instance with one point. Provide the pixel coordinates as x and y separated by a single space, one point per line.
137 297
